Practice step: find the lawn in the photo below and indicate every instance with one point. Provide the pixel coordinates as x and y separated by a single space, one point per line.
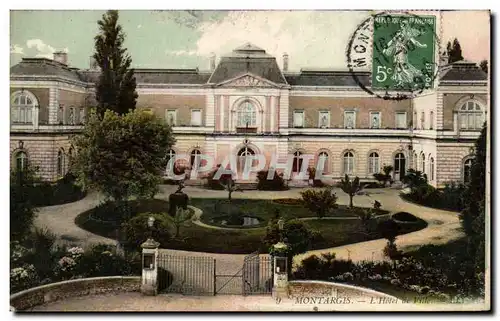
197 238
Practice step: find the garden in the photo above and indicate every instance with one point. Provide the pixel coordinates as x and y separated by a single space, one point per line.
339 225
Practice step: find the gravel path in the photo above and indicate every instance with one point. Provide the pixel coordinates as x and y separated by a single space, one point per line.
443 225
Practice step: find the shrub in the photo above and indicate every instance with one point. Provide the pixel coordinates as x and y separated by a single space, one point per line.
63 191
276 184
377 205
414 178
22 208
351 188
137 231
404 217
102 260
217 184
319 202
22 278
311 171
384 177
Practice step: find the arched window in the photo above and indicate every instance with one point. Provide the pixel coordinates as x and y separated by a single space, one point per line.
21 161
431 168
170 158
423 163
60 162
22 104
471 116
297 162
415 161
373 163
246 114
243 154
195 158
324 160
467 170
348 163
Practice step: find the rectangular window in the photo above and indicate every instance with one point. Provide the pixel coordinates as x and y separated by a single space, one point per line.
401 120
171 117
298 118
414 120
422 120
324 119
431 120
349 119
195 117
375 119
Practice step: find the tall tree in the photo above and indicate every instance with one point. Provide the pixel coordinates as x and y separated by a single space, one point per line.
122 156
472 216
484 65
454 51
115 89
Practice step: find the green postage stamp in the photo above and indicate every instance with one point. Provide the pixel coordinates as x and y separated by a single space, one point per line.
403 52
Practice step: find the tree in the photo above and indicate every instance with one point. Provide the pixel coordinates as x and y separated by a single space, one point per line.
122 156
351 188
484 65
22 210
230 187
320 202
115 88
473 215
181 217
454 51
389 230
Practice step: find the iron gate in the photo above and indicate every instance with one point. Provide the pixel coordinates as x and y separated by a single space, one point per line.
186 274
257 274
191 275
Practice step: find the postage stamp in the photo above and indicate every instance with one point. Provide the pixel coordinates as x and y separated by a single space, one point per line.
249 160
401 50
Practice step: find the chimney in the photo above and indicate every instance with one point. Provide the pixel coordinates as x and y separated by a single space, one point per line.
93 63
212 61
285 62
443 59
61 56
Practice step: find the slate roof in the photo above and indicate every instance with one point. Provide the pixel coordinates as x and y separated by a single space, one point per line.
247 59
463 71
322 77
43 67
159 76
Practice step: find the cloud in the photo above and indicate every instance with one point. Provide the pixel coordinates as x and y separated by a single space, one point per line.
311 38
43 50
139 26
16 49
181 52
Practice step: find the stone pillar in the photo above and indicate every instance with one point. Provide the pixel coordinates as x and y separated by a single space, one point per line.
280 270
149 281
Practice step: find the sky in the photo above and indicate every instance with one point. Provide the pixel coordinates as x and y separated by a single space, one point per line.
186 39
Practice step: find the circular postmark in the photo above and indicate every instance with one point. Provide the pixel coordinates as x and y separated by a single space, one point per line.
400 49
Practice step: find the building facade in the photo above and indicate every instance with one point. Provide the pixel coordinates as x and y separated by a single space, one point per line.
246 104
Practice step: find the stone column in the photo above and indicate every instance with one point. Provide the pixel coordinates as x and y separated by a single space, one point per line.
149 281
280 270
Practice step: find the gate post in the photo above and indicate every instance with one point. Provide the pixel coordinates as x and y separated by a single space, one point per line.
149 280
280 270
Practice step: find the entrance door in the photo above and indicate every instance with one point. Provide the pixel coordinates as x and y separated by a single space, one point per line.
399 166
243 154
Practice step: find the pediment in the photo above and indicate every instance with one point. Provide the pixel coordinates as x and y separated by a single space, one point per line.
248 80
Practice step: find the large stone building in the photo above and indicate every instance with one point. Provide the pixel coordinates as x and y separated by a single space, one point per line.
246 104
